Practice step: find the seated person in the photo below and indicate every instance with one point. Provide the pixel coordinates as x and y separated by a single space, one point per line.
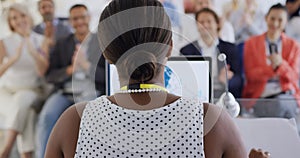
272 68
147 121
51 27
247 21
76 72
23 61
229 7
209 44
226 30
293 8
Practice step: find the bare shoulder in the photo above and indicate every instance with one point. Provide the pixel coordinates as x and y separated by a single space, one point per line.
221 136
63 138
80 108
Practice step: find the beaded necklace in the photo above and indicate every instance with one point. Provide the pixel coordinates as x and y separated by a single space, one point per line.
142 88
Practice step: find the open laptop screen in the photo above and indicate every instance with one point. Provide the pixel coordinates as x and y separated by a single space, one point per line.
187 76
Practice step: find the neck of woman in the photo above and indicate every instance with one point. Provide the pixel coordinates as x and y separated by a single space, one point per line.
273 36
156 80
24 33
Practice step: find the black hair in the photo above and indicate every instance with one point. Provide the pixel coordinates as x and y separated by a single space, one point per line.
210 11
40 1
78 6
137 52
276 7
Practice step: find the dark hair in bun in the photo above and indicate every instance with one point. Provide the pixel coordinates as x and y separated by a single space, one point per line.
138 39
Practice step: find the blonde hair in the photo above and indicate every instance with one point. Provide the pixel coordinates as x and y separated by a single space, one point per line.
19 8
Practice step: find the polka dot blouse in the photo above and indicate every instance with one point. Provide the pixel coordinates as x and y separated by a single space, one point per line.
110 131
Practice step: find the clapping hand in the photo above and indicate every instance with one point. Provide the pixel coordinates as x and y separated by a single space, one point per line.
31 49
275 59
49 29
18 54
248 19
49 33
79 59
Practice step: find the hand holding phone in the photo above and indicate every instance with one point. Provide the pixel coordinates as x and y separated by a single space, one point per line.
273 48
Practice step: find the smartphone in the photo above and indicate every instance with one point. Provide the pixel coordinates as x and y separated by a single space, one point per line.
273 48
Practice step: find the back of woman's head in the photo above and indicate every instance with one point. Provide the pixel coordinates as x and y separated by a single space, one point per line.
136 36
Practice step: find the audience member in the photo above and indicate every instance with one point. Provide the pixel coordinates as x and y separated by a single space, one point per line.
51 27
272 68
209 44
226 29
293 8
73 67
231 6
22 62
247 21
149 121
292 30
175 10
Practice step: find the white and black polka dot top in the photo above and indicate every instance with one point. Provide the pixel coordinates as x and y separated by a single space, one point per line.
110 131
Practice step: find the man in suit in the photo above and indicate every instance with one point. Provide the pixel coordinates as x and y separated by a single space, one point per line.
209 44
272 68
51 27
76 69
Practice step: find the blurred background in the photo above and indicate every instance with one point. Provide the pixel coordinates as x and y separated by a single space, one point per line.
96 6
184 27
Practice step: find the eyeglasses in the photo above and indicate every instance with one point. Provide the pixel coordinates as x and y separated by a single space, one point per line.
80 17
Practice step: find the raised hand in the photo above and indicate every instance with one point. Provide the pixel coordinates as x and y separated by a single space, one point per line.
49 29
18 53
30 46
49 33
275 59
80 58
40 59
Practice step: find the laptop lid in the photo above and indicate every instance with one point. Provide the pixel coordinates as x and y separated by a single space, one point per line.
187 76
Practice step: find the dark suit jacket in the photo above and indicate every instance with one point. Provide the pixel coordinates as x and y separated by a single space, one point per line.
61 58
232 58
62 29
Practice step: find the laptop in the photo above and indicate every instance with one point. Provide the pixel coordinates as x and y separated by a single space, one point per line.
186 76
